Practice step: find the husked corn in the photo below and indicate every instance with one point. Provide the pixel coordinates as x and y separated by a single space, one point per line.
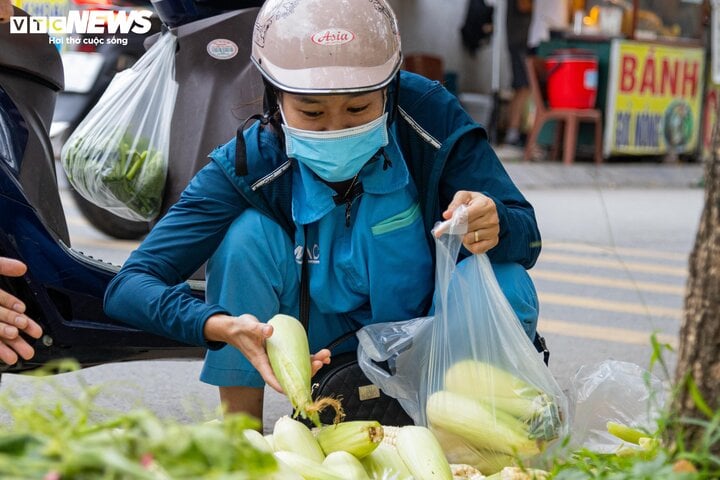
292 436
385 462
308 469
346 465
478 425
422 454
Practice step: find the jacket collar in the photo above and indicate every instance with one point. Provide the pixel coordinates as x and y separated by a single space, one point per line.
312 199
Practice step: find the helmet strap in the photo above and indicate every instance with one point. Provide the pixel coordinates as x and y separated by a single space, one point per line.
270 100
395 98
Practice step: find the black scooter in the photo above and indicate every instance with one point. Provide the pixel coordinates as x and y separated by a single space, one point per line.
64 288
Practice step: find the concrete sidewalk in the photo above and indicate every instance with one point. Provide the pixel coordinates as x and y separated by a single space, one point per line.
611 174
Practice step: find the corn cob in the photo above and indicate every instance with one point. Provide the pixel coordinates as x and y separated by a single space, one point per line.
459 451
482 380
490 462
505 392
306 468
390 434
385 462
466 472
476 423
519 473
292 436
284 472
289 355
358 437
422 454
257 440
625 433
345 465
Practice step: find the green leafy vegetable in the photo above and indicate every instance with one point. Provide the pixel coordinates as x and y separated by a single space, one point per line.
54 441
125 168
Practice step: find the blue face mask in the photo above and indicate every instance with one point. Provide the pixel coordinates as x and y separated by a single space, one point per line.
336 155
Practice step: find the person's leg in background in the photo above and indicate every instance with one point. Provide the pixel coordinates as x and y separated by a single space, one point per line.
521 94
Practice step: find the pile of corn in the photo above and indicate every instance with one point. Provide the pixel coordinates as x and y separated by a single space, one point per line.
355 450
366 450
497 415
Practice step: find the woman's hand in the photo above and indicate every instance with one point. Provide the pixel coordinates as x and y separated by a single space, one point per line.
248 334
483 221
13 319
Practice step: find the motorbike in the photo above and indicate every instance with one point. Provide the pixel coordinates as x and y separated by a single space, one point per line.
63 287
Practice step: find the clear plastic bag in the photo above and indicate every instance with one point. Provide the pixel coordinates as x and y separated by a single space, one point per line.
470 372
392 356
613 391
117 157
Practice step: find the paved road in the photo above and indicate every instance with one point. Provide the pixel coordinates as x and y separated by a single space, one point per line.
612 271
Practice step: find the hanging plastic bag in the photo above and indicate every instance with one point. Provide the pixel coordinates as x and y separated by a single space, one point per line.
613 391
471 373
117 157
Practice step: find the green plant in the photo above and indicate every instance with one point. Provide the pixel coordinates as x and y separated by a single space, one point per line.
653 459
73 438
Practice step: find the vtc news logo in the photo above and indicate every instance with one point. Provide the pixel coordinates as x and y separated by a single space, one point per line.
83 22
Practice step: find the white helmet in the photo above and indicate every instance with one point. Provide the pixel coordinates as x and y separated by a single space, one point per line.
328 46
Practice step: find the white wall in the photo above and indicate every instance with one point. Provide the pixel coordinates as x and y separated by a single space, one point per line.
433 26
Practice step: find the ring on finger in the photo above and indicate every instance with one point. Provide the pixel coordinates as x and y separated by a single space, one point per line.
476 236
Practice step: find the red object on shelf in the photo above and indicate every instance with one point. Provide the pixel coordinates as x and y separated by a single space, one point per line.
572 79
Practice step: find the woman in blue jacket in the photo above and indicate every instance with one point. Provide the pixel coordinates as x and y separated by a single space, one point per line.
343 177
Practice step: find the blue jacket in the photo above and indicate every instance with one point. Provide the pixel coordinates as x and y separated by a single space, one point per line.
444 149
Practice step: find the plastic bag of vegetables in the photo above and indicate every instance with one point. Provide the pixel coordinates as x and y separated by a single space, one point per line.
470 374
117 157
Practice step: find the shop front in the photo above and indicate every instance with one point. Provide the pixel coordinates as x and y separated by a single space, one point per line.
651 76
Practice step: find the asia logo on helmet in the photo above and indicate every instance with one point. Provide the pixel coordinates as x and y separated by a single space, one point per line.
326 46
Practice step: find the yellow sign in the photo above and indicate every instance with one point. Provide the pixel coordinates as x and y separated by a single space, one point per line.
654 99
44 8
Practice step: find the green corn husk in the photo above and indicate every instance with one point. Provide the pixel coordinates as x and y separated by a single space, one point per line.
358 437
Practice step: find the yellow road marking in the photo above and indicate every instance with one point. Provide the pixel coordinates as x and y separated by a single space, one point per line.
609 306
635 252
600 281
613 264
609 334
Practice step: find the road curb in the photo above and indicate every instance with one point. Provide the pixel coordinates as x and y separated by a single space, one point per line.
552 175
